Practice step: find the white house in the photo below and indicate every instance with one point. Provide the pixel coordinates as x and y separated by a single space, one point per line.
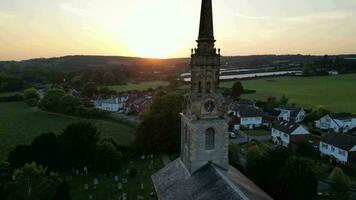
111 105
333 72
339 123
286 133
340 147
250 117
291 114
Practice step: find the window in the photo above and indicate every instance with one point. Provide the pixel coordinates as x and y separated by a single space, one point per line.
208 87
210 139
342 152
199 87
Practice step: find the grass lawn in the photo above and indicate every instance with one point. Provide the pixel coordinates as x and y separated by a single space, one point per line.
257 132
4 94
20 124
139 86
107 187
337 93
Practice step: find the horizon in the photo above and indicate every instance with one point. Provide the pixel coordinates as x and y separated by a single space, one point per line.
242 28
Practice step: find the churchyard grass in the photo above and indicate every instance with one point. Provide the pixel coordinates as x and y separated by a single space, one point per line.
336 93
20 124
107 186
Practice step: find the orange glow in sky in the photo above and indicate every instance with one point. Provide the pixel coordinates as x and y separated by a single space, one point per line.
168 28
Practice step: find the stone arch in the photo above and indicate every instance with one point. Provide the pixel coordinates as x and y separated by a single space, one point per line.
210 139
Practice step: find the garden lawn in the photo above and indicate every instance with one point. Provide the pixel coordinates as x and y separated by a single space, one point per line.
107 187
20 124
336 93
139 86
257 132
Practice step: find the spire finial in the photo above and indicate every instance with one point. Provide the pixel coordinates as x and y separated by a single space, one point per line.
206 30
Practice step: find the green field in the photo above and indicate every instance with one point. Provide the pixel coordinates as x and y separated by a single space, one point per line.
139 86
19 124
336 93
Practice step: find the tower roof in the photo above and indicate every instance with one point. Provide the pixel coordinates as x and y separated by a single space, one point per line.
206 30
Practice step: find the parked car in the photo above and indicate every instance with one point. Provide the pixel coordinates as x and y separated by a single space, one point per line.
232 135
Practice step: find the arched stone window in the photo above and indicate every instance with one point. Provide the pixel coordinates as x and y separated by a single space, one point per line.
210 139
199 87
208 87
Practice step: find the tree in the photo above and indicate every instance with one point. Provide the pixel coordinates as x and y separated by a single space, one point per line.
33 183
107 157
283 100
298 179
62 192
256 159
21 155
78 142
89 90
237 90
68 104
31 97
51 99
234 156
160 127
340 185
46 151
109 77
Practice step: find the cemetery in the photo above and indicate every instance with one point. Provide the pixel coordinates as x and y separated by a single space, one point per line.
132 181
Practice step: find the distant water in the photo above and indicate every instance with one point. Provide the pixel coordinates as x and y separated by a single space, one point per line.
244 76
223 70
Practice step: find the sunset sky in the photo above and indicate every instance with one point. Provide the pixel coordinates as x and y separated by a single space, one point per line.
168 28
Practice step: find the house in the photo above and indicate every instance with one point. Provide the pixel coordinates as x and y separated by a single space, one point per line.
289 133
289 113
270 117
111 105
340 147
250 117
234 106
338 123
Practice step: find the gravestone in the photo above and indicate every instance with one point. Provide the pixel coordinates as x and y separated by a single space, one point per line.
96 181
139 197
116 178
86 186
142 187
119 186
90 197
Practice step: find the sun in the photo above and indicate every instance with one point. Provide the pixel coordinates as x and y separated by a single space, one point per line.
156 29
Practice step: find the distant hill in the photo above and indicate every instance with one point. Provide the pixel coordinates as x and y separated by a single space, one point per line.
79 62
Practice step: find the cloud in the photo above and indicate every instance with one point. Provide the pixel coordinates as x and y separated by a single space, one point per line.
326 15
75 11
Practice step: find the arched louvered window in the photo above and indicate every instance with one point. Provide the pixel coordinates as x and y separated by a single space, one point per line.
210 139
199 87
208 87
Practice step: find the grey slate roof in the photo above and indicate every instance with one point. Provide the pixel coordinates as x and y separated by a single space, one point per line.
341 116
340 140
286 127
293 110
250 112
174 182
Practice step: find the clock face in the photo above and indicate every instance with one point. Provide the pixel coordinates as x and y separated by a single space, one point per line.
209 106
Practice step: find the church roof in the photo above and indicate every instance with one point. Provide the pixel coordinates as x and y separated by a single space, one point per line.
174 182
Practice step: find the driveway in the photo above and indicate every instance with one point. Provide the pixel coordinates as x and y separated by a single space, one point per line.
243 138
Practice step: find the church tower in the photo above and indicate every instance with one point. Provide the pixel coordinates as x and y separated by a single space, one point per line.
204 128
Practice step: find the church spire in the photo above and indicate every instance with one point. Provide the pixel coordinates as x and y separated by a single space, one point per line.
206 30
